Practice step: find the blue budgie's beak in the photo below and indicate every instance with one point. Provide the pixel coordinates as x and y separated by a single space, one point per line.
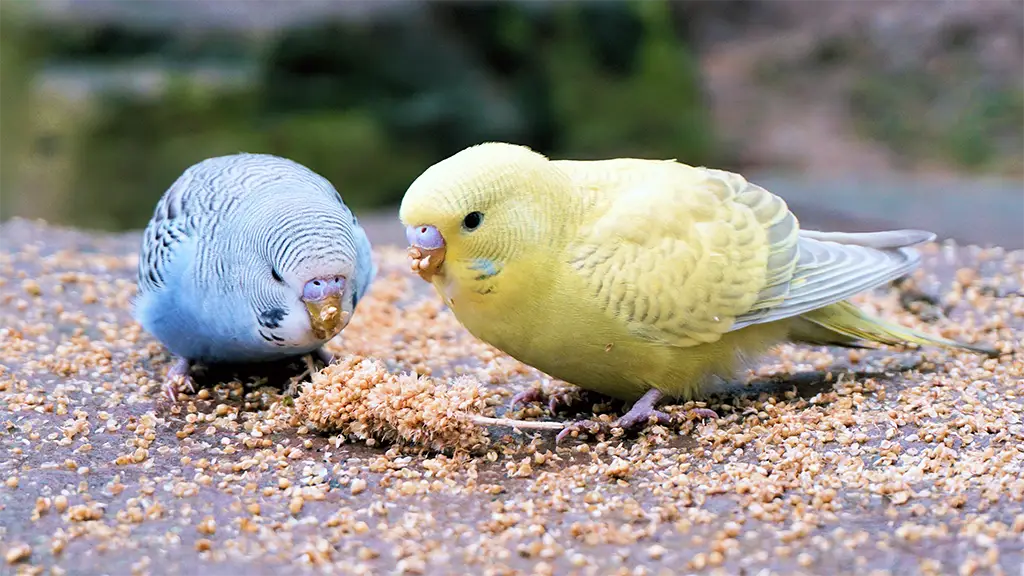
426 249
322 297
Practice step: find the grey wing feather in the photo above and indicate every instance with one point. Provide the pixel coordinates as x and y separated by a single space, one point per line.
832 267
879 240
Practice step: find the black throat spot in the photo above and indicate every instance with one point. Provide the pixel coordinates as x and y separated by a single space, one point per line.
271 318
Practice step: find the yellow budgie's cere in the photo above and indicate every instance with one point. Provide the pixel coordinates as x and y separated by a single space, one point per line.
640 279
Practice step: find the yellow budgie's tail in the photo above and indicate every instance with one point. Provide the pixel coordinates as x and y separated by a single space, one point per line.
844 324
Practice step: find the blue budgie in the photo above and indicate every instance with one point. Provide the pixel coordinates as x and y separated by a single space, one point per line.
249 258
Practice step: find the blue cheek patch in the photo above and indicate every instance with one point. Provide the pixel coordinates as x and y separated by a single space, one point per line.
486 267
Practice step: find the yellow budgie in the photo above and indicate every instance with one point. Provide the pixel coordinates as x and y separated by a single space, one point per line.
639 279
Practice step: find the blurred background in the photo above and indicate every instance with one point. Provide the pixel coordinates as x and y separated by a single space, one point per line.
862 114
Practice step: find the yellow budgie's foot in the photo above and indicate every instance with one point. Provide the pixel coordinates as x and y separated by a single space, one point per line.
562 400
643 413
701 414
527 396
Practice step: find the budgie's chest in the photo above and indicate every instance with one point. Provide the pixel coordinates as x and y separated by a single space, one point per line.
558 330
214 319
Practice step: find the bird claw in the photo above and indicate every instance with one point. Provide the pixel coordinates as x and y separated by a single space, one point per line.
324 356
172 386
639 418
701 413
527 396
179 374
561 400
555 401
635 419
591 427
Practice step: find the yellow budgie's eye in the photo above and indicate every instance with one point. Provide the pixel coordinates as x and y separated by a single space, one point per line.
472 220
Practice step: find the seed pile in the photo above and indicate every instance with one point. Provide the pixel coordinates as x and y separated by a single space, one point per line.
824 461
359 397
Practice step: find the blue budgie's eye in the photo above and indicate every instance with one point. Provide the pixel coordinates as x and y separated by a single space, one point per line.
276 275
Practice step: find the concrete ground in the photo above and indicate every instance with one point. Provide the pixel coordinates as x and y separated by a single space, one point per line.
826 462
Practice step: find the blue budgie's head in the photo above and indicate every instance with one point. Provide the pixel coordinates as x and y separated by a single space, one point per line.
301 260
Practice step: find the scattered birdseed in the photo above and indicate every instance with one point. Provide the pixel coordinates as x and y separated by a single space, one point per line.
18 553
358 396
357 486
821 462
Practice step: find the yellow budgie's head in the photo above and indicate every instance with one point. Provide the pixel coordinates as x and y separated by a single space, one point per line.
474 214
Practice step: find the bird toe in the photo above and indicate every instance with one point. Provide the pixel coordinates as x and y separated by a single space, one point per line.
701 414
641 418
590 427
528 396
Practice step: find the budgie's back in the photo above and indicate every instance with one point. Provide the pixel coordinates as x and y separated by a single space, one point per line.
706 263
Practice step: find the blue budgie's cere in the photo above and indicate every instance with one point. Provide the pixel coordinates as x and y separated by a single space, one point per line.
249 258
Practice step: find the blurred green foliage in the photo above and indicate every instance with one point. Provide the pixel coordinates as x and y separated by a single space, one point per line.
135 147
370 104
104 42
649 107
18 62
130 167
941 108
922 117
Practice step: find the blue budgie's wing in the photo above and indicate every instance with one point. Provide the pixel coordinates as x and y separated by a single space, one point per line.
365 266
158 247
178 218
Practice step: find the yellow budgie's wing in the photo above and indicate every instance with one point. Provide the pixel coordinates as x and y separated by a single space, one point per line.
678 254
833 266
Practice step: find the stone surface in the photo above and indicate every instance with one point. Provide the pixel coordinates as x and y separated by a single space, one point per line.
825 462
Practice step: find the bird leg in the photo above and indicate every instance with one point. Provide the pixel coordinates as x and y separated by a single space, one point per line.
643 410
320 354
324 356
642 413
179 371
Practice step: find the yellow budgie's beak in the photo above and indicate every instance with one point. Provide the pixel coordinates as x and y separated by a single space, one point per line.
426 249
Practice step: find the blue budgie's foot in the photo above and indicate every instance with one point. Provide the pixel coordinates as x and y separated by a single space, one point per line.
643 413
320 354
179 370
324 356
